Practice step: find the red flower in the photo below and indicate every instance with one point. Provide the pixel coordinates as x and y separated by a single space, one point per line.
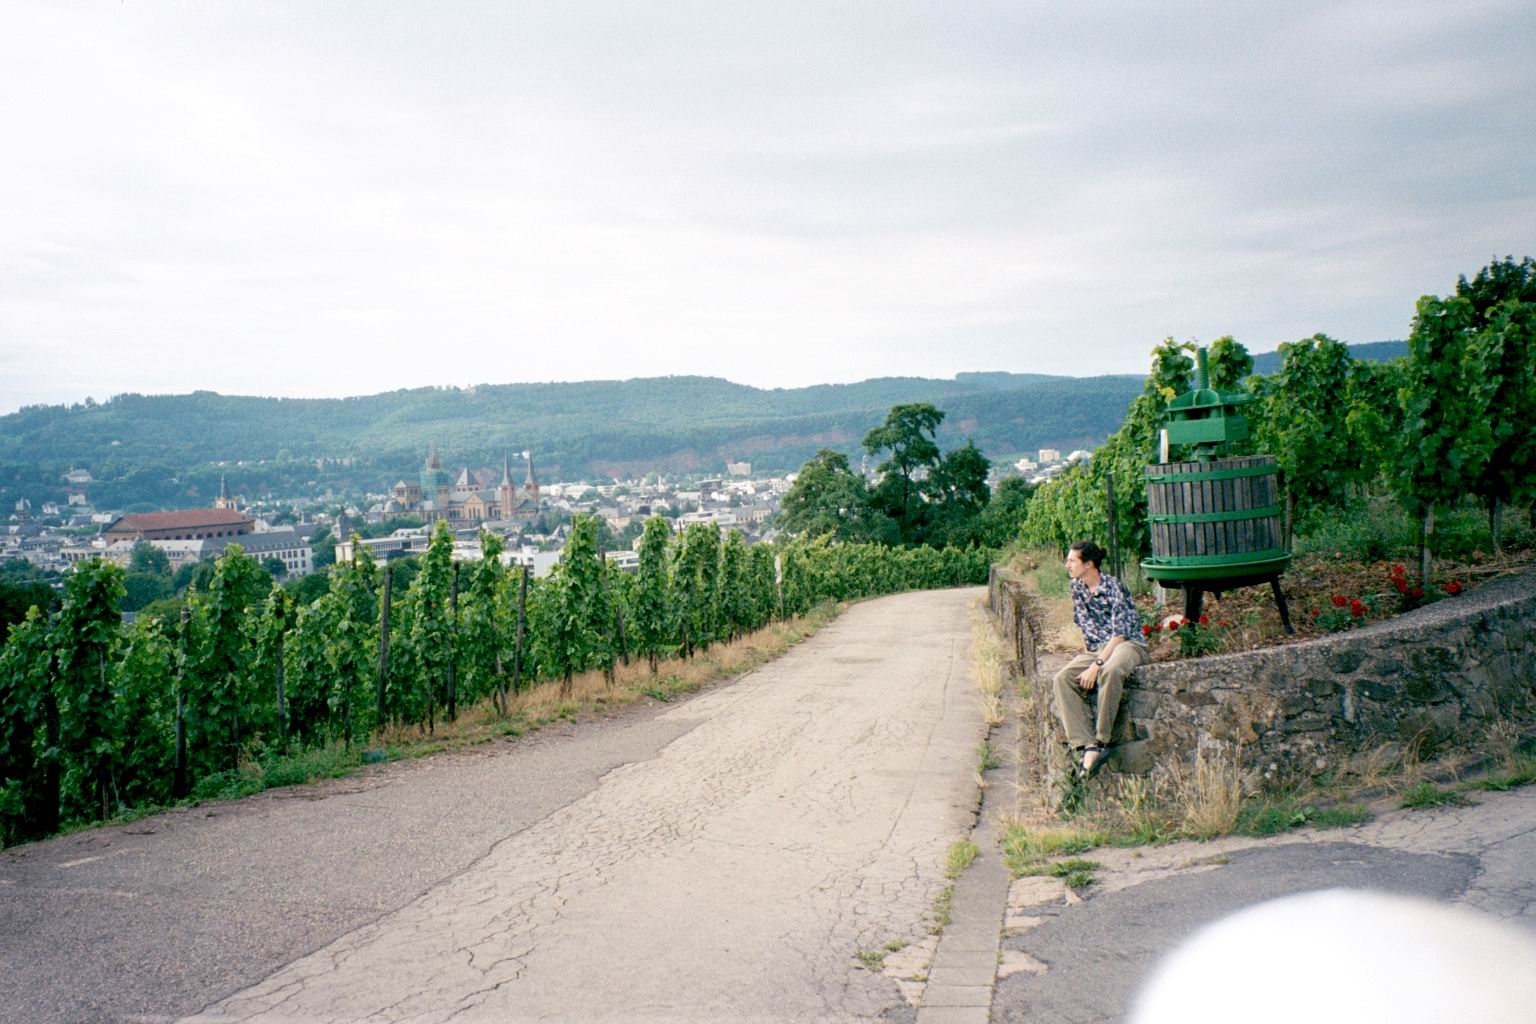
1398 570
1157 627
1338 600
1453 587
1357 610
1316 612
1172 626
1205 620
1402 586
1146 630
1418 592
1223 622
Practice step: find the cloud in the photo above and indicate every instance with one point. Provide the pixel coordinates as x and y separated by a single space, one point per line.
309 200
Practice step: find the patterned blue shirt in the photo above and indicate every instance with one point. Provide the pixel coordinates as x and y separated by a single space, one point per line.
1105 613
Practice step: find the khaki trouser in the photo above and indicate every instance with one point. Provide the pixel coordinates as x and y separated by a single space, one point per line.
1072 700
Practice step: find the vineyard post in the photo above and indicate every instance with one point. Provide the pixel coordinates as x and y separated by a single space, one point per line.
453 646
383 680
522 628
179 779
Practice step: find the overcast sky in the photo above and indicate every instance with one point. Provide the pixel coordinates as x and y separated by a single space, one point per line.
314 198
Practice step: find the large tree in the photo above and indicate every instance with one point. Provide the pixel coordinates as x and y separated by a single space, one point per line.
829 498
907 437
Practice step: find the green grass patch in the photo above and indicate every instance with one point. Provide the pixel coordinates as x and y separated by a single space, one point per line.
941 909
871 959
1521 772
961 853
1426 794
986 757
1270 817
1024 847
1075 871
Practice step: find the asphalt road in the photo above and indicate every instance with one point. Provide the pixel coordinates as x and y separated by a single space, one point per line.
721 858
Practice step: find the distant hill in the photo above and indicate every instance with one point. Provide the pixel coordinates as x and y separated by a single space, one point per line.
166 450
586 429
1371 352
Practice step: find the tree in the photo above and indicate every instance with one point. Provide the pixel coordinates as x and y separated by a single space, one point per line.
908 435
1503 300
1303 421
483 623
651 615
142 588
145 710
695 578
1447 435
1003 518
29 794
958 493
219 657
828 498
274 567
145 557
428 647
576 609
735 600
84 639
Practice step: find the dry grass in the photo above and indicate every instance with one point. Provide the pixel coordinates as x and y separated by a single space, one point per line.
590 692
987 655
1209 795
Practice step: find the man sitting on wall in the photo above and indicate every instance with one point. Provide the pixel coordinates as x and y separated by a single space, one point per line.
1102 608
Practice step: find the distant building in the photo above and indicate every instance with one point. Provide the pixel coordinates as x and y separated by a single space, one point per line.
465 500
739 468
224 501
187 524
1050 455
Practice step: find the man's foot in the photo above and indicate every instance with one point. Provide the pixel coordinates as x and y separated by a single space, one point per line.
1093 756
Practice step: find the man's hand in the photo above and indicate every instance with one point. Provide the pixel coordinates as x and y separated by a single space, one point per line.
1089 678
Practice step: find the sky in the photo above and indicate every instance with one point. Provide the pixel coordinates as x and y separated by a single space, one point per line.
322 199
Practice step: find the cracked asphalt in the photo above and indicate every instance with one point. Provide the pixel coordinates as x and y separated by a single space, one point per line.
1088 957
723 858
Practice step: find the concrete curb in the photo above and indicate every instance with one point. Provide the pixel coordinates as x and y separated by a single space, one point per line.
964 969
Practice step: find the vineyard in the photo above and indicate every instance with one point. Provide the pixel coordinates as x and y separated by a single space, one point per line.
1447 425
98 718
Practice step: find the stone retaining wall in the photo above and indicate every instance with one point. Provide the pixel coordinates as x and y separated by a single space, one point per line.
1440 675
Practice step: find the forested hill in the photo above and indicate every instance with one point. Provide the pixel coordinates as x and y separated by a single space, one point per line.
577 429
160 450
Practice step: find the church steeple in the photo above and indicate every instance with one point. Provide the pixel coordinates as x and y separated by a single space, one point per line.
506 494
530 483
223 500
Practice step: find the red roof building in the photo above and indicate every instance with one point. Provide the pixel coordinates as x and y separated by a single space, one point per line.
188 524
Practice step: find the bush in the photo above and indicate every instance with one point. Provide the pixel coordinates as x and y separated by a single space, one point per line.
1369 530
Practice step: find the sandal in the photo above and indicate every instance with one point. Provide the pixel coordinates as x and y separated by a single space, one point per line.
1094 755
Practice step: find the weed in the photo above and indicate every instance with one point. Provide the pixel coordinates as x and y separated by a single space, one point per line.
1210 795
1339 815
1521 771
961 853
1273 816
941 909
871 959
1025 847
1062 868
1427 794
986 758
895 946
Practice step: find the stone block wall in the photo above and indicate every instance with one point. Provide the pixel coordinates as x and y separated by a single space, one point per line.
1441 675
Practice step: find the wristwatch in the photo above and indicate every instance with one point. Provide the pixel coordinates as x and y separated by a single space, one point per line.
1098 661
